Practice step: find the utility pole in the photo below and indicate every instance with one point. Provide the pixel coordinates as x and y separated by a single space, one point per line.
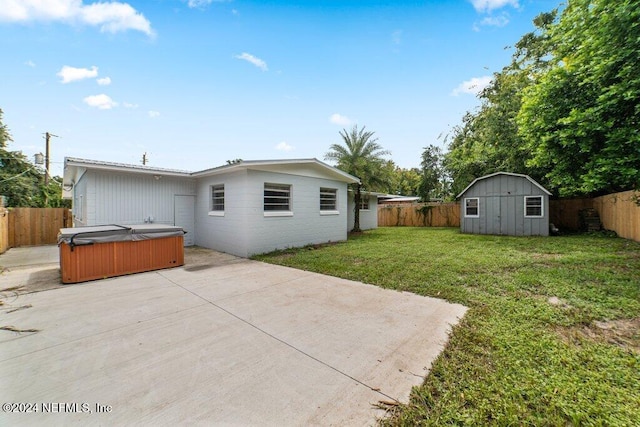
144 159
46 157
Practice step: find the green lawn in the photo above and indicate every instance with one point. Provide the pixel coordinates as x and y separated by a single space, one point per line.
551 336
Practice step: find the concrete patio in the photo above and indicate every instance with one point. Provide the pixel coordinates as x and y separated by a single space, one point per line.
228 342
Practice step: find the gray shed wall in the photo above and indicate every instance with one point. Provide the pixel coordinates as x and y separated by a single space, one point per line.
501 207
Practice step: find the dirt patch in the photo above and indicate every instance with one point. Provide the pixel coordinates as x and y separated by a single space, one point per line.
623 333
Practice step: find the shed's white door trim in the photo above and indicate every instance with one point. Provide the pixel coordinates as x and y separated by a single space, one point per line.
184 214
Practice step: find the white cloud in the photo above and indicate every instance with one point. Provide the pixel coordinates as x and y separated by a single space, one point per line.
72 74
110 16
153 114
105 81
473 86
129 105
492 21
253 60
102 101
30 64
338 119
283 146
496 21
484 6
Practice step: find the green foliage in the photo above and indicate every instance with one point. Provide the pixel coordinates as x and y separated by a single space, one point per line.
434 183
528 351
488 140
362 157
566 111
582 117
21 182
400 180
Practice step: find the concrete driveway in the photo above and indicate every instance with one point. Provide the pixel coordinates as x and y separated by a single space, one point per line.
228 342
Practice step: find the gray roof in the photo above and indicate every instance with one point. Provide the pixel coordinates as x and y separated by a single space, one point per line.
527 177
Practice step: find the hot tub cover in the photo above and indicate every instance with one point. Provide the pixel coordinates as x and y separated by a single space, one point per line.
116 233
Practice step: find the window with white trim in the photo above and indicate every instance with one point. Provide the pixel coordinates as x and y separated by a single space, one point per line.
217 197
472 207
277 197
328 199
364 203
533 207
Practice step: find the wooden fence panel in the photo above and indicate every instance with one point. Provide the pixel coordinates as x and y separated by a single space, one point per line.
37 226
4 230
419 215
620 212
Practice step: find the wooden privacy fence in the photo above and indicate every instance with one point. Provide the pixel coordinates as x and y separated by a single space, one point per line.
419 215
36 226
4 230
619 212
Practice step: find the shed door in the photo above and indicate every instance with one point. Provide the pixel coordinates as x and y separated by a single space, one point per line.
184 216
496 215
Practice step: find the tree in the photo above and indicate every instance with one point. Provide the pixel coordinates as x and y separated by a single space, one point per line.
21 182
432 180
581 118
400 180
362 157
488 140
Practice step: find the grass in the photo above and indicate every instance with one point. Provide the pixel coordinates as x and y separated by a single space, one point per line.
551 336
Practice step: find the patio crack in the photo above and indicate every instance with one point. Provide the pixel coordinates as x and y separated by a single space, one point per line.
310 356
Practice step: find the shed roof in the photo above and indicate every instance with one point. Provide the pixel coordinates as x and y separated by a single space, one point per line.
527 177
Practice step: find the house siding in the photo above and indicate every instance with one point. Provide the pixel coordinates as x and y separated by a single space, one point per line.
223 233
244 230
368 218
501 207
80 203
128 199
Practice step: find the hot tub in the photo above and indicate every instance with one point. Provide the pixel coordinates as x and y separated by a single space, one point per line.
89 253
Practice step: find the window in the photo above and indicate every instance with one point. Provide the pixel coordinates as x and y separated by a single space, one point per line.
328 199
217 200
217 197
364 203
533 207
471 207
277 197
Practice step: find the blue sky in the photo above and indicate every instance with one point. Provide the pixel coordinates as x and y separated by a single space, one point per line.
194 83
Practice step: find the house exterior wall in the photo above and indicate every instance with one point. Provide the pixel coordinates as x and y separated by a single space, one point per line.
79 202
223 233
368 217
501 207
245 230
127 198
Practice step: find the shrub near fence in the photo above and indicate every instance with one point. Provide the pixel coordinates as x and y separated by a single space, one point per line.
419 215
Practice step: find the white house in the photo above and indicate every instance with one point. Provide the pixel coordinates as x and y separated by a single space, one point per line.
243 208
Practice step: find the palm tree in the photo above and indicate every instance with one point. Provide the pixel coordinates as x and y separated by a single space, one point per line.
360 156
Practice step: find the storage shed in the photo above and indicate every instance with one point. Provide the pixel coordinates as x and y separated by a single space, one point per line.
505 203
